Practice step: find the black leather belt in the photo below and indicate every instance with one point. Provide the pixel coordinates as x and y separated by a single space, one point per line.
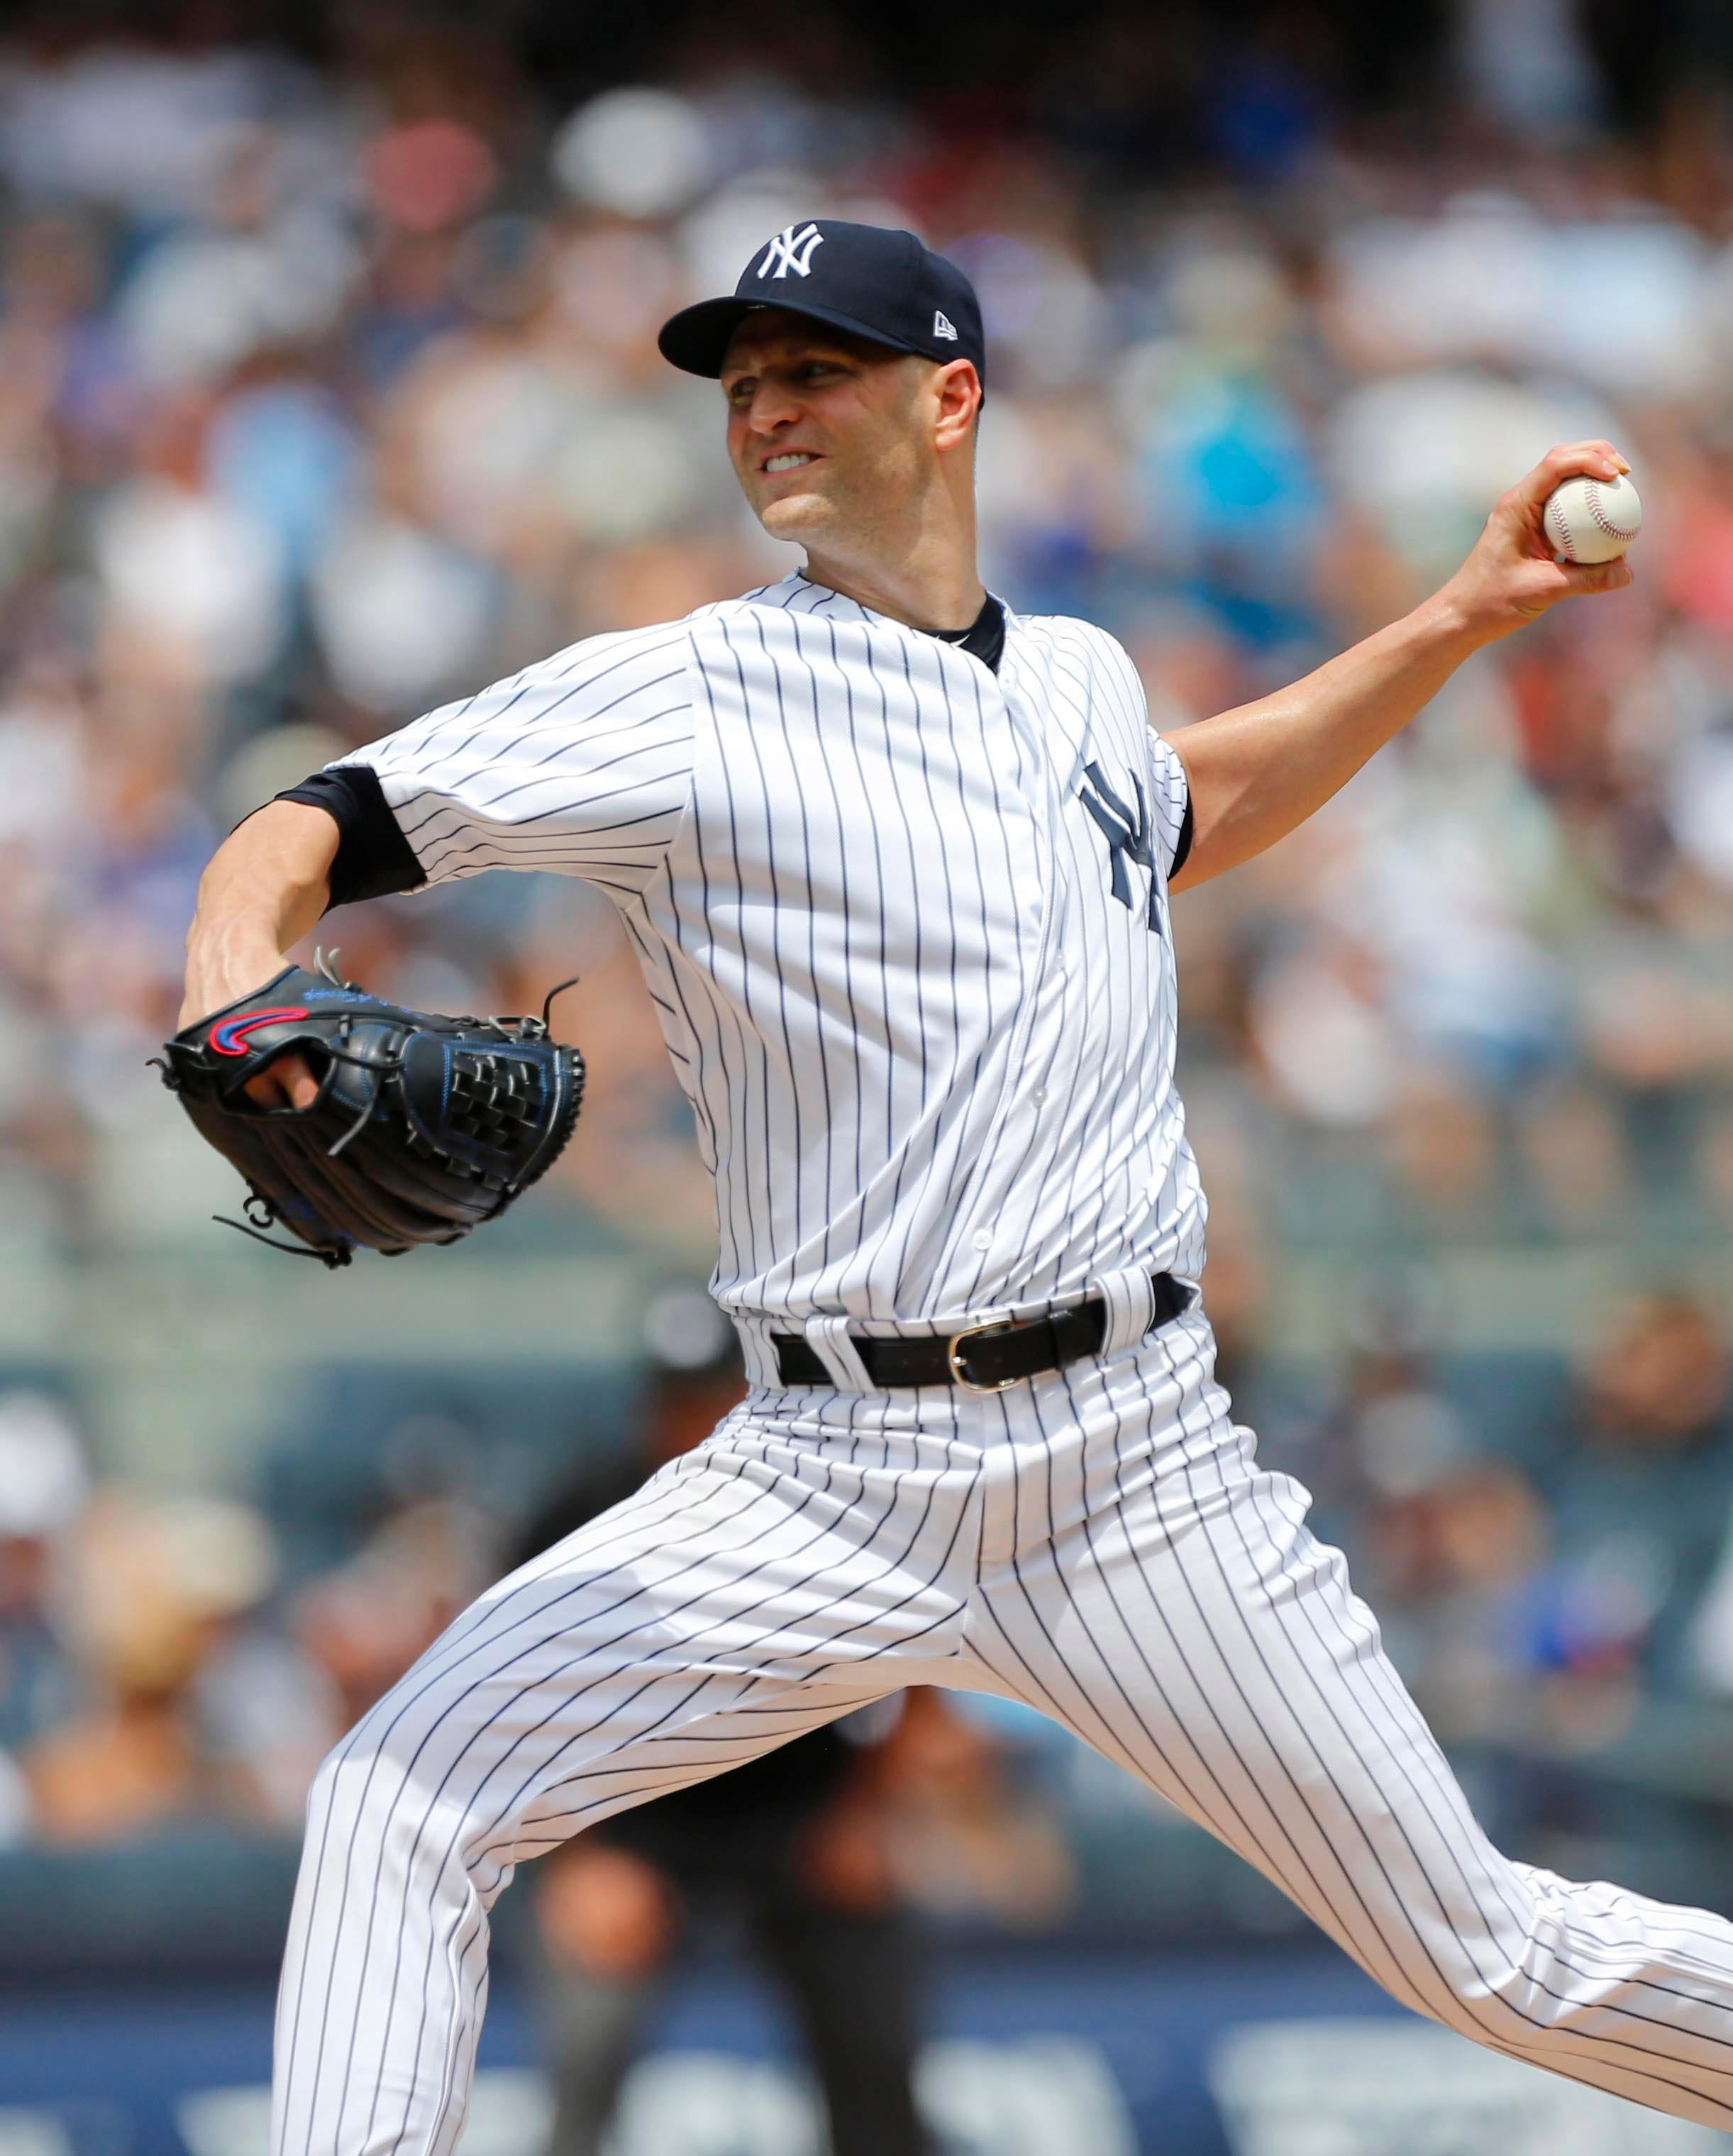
981 1358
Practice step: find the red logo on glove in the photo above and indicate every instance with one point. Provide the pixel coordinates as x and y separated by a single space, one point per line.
229 1038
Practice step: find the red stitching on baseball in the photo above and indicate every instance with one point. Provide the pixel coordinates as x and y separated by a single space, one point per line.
1593 490
1592 498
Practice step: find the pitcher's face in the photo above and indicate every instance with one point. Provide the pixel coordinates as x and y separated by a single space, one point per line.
827 432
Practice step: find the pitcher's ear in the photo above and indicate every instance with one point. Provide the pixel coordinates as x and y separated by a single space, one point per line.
959 387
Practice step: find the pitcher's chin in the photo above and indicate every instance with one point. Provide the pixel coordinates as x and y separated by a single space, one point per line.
796 517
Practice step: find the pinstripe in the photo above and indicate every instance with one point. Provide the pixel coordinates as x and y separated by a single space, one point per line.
1295 1800
1061 930
732 1089
430 1671
787 1068
1091 1159
564 1697
407 1694
408 1691
591 1771
1115 1747
1222 1808
950 1202
646 1786
919 1067
1111 1689
878 973
758 1088
496 703
827 1123
585 766
913 1162
592 799
1522 2046
1459 1830
435 1943
1224 1802
561 748
852 1061
1092 1155
966 1203
788 798
1137 1101
1307 1603
476 1639
674 1009
636 1778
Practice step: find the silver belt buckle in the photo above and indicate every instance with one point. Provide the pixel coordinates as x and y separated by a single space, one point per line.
975 1332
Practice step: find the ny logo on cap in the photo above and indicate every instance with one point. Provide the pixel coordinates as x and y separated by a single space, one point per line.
792 250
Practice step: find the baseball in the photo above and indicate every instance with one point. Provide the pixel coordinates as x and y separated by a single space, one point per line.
1593 519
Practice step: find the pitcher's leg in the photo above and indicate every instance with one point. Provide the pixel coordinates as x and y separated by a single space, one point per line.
1193 1630
716 1614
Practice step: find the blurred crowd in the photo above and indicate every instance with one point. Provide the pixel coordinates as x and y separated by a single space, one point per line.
1549 1549
328 390
175 1661
327 394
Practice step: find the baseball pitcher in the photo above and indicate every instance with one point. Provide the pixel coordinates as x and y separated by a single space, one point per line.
896 862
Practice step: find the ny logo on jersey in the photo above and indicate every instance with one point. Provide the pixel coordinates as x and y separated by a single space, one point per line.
1128 838
792 250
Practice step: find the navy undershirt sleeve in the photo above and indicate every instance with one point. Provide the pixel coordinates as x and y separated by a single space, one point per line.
373 858
1183 845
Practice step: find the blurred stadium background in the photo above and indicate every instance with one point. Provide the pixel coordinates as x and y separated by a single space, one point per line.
328 390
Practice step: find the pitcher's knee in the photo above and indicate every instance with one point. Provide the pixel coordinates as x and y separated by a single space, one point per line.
340 1785
323 1786
1484 1991
376 1780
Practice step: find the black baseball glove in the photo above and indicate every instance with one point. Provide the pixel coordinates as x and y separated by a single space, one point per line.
423 1127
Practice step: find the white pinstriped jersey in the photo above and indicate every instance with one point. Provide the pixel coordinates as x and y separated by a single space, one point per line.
905 921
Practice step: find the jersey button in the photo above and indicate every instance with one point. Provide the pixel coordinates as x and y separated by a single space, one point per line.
983 1239
1039 1096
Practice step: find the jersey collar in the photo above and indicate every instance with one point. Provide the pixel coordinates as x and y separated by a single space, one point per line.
799 594
1063 717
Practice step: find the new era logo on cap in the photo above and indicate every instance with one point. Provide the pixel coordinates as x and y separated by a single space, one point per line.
868 280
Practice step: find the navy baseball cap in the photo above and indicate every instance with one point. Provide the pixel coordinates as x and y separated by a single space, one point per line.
864 278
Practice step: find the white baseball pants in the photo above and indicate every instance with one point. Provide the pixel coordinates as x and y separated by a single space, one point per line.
1100 1543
